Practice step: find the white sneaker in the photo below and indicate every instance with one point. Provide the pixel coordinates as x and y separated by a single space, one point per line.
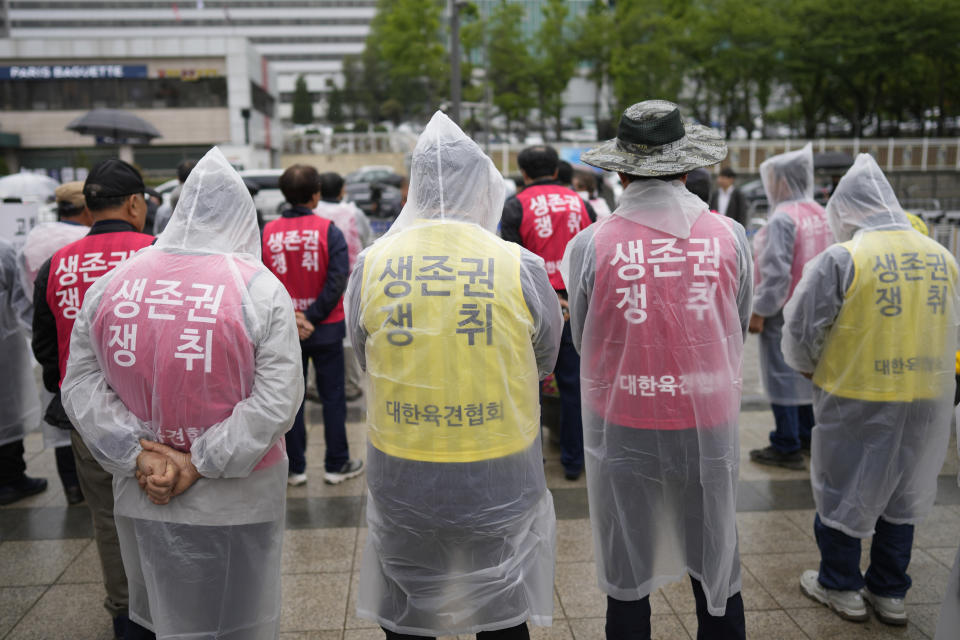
350 469
847 604
888 610
297 479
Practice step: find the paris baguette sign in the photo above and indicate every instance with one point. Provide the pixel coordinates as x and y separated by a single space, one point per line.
73 71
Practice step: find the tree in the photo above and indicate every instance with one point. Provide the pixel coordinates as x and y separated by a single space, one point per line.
510 66
335 113
592 45
404 57
302 103
646 60
554 64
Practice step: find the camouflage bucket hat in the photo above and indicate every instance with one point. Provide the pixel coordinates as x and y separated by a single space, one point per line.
653 140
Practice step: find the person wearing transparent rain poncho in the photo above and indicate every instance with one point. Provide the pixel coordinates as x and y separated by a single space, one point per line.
660 296
184 375
19 402
795 233
455 328
874 320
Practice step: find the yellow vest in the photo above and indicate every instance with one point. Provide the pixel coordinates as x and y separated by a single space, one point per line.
452 369
894 338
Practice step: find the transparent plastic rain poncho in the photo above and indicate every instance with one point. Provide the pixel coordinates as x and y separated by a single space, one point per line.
352 223
19 399
660 297
796 232
874 319
42 242
455 327
192 342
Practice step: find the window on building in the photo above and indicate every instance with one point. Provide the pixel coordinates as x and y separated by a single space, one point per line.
133 93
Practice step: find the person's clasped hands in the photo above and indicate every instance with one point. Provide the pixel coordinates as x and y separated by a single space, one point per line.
305 328
163 472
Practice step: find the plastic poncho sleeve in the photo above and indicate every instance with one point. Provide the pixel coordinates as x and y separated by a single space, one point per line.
20 301
745 293
229 449
814 307
364 230
580 260
774 260
538 293
351 308
233 447
544 306
109 429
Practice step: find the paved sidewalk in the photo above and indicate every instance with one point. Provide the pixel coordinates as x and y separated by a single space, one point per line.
50 577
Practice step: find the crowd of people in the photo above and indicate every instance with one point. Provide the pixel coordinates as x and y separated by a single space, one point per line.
175 369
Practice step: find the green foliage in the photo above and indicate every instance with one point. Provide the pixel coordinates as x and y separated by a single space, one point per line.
335 114
510 64
861 67
554 62
403 62
302 103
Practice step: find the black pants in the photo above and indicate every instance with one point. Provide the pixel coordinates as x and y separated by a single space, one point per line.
12 465
519 632
66 466
630 620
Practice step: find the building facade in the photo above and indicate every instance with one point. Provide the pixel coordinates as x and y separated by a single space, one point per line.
308 37
197 92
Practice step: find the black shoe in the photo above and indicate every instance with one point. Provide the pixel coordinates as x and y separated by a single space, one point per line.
74 494
774 458
572 476
26 486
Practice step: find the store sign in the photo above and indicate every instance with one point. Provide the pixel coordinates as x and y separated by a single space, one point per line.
73 71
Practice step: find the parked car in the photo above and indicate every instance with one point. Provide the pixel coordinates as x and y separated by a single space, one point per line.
375 189
375 173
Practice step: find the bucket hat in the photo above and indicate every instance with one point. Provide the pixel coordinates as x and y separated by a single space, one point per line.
653 140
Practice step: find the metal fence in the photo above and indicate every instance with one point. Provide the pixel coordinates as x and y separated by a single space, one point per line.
893 154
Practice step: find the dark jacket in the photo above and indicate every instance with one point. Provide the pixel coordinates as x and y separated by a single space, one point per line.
736 208
45 347
513 212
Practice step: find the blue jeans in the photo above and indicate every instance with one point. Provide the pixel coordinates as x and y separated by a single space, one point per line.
793 426
889 559
567 374
328 364
630 620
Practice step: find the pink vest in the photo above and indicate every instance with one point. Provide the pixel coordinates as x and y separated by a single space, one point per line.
663 343
812 237
171 336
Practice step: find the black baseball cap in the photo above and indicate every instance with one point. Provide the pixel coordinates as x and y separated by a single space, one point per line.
113 178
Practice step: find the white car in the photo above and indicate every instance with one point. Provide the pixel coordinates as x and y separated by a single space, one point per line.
269 199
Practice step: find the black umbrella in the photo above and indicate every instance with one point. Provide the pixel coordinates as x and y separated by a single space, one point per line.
120 126
832 161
